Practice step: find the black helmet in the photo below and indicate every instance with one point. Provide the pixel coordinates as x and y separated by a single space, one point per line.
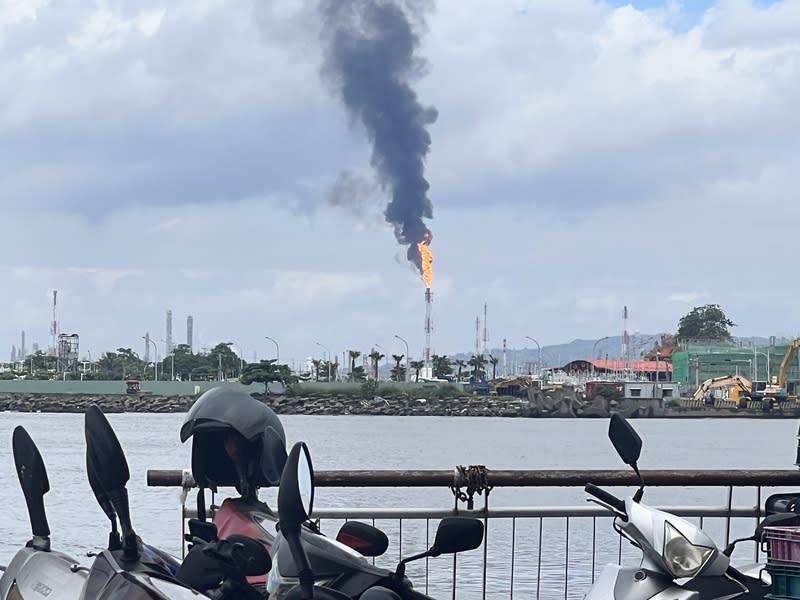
238 441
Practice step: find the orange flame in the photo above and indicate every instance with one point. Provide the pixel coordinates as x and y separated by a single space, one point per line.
426 265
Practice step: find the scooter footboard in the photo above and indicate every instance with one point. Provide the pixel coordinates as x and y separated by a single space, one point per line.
635 583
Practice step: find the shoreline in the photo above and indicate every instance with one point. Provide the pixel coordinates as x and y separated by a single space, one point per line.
338 405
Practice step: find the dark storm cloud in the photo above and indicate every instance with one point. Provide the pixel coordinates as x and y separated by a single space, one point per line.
370 58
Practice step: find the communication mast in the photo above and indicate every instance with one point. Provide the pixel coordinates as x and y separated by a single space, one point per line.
54 325
485 330
477 336
625 339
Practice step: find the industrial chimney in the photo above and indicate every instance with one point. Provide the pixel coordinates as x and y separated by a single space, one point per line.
189 331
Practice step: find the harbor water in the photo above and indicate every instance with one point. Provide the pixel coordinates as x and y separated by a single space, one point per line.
352 442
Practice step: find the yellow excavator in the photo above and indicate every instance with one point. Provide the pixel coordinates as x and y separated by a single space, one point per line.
738 388
791 349
778 389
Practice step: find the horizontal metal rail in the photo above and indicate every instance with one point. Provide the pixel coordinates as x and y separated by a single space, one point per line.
514 512
550 478
542 552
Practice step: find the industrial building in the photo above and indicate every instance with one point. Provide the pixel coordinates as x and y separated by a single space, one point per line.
697 361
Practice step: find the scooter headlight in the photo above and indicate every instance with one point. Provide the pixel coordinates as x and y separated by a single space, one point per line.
683 558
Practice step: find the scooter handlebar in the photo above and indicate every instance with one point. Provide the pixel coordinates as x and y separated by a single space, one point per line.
606 497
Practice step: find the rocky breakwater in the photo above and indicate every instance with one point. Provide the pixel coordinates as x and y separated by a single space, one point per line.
331 404
108 403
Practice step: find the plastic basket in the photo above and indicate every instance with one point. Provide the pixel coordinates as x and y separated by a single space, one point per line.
785 581
783 544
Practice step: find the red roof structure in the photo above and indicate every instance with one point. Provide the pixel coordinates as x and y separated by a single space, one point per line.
611 365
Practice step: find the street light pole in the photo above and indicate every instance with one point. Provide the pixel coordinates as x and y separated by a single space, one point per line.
155 363
329 360
539 348
385 354
594 350
172 360
406 343
277 349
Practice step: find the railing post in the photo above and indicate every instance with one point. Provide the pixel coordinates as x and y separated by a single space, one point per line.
728 516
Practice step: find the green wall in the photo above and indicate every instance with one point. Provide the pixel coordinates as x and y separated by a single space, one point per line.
160 388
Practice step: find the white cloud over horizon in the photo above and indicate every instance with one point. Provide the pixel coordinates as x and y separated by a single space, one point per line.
586 155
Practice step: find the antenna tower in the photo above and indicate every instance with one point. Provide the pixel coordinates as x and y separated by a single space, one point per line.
625 339
485 331
54 324
477 336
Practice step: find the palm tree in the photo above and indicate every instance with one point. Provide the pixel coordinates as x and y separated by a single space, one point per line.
316 363
460 364
441 366
494 360
376 357
354 354
398 373
477 363
416 365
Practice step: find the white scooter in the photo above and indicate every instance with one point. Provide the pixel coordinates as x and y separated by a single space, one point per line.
679 560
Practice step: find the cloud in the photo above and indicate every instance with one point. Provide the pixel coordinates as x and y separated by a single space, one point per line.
301 289
737 23
684 297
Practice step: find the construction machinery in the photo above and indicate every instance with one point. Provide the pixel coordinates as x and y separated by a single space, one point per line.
778 389
738 388
783 372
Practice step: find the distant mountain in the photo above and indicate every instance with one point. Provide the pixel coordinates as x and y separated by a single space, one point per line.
609 347
561 354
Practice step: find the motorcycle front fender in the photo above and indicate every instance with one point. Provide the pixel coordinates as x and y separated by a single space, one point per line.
634 583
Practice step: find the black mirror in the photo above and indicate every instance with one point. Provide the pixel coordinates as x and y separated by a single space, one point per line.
457 534
296 490
782 503
34 483
625 439
776 520
202 530
363 538
108 475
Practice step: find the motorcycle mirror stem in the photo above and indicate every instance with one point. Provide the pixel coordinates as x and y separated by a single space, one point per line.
33 480
295 503
453 535
108 477
628 445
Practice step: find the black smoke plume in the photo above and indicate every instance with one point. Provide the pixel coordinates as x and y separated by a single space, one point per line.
370 59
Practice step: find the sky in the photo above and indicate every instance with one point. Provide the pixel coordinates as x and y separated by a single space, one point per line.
586 156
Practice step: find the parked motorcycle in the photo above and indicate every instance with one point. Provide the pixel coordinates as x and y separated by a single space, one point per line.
317 567
38 571
131 568
679 560
239 442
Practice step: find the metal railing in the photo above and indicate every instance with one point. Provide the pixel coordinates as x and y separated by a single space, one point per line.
528 551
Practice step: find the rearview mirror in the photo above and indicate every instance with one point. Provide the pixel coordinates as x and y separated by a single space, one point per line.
296 490
457 534
625 439
776 520
34 483
108 475
363 538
